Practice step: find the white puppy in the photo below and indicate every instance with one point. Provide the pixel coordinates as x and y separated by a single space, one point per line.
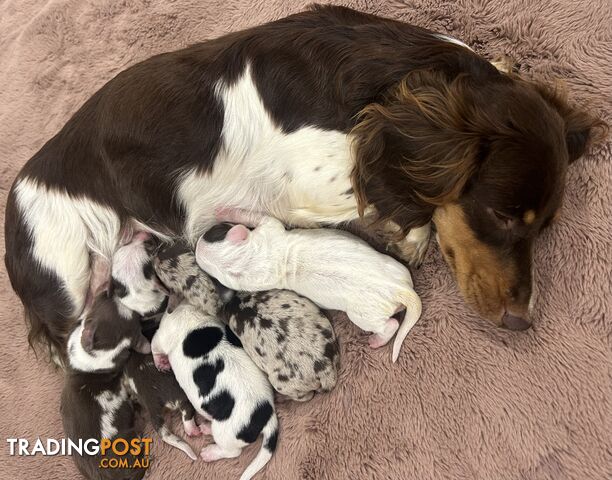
221 382
332 268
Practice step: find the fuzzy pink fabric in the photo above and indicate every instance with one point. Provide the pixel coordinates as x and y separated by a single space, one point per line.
465 401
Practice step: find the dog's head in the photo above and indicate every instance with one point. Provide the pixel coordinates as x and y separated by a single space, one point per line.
485 155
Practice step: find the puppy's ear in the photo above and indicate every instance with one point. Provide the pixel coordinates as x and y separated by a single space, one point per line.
87 336
237 234
581 128
174 299
141 344
161 287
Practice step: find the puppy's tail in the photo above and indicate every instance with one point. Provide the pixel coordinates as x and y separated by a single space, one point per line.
412 302
268 445
176 441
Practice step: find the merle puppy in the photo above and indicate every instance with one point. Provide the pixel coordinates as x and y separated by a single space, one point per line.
287 336
221 381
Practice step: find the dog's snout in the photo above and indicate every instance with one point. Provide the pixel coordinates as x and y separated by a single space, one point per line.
514 322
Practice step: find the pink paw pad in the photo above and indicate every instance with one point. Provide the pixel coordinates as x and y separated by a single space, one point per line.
191 428
161 362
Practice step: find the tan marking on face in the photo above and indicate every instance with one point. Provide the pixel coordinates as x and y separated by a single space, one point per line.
529 217
482 276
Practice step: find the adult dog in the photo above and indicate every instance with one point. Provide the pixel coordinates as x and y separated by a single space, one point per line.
317 118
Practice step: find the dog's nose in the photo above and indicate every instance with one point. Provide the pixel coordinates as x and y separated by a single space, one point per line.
512 322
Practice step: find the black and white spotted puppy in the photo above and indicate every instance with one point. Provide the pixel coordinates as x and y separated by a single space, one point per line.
287 336
133 277
221 381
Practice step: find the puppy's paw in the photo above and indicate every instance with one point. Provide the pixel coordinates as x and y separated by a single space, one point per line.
161 362
377 340
191 428
212 453
205 429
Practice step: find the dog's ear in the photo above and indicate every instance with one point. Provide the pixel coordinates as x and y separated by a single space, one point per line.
581 128
414 149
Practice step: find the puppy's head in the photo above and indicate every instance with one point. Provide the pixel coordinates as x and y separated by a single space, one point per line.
102 339
485 155
134 281
223 250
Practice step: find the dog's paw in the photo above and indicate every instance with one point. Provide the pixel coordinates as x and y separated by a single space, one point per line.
192 429
413 247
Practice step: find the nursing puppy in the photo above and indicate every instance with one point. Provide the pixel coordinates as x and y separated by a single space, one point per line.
285 335
102 339
332 268
133 278
221 381
289 338
176 267
97 405
157 392
95 402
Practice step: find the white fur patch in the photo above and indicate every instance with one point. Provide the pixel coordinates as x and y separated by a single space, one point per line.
64 230
84 361
301 177
449 39
110 402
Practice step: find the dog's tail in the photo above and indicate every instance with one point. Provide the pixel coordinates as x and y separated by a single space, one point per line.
412 302
268 445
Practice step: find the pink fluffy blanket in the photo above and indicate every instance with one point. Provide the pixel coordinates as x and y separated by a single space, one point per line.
465 400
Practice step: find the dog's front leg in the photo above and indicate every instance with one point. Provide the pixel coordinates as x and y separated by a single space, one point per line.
413 247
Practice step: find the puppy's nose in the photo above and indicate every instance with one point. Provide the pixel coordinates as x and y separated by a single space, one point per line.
513 322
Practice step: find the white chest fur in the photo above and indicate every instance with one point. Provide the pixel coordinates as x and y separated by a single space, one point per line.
301 177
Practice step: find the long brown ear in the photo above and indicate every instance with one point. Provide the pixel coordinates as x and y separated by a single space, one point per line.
418 144
581 128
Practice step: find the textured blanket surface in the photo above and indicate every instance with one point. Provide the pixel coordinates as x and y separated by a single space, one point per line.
465 400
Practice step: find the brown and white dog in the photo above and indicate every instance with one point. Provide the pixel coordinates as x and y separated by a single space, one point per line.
317 118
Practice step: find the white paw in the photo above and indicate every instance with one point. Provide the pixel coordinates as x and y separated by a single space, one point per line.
413 247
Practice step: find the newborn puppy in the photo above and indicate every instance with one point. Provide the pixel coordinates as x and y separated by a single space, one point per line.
97 405
286 335
133 278
102 339
158 391
176 267
334 269
221 381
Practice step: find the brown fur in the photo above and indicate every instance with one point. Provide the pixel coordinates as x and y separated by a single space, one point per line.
488 151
